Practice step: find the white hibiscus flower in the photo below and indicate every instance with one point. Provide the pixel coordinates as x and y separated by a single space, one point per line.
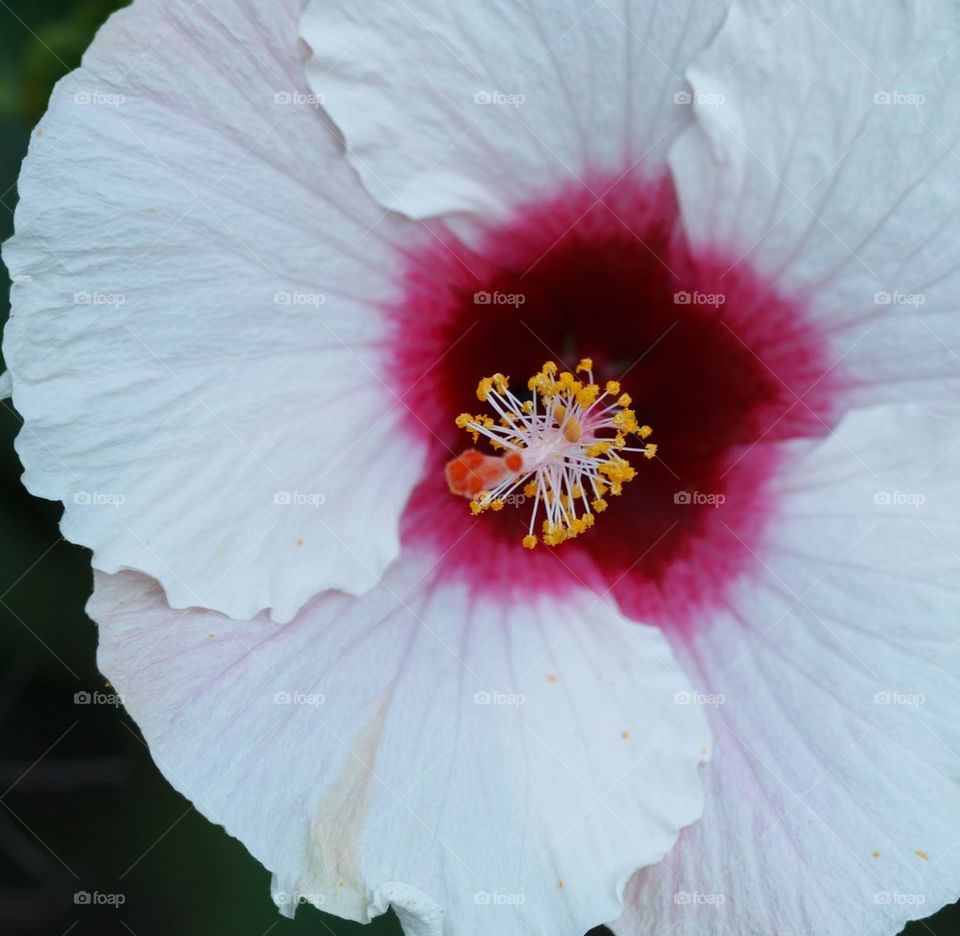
265 252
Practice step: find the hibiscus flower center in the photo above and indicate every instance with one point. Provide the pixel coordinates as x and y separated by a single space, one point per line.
721 363
566 443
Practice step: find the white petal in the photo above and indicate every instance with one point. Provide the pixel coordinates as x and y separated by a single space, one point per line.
833 803
474 107
499 767
826 156
195 334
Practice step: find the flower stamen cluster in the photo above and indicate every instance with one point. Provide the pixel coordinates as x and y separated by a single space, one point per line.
563 448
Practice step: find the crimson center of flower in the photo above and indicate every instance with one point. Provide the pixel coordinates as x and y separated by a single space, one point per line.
563 447
723 365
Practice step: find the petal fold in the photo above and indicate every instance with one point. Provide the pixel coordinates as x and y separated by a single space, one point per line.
482 767
825 155
197 327
834 796
477 107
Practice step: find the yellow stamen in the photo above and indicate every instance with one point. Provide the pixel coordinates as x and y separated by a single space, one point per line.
563 449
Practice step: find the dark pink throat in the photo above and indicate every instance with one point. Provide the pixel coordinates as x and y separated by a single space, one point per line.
721 365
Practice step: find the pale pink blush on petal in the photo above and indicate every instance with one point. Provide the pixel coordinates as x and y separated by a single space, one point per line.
485 766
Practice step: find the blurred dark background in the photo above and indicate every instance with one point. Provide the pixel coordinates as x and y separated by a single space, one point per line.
84 809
